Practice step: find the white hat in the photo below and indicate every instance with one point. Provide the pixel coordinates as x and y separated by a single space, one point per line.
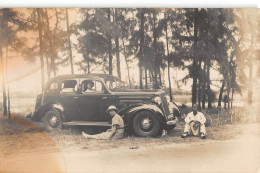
112 107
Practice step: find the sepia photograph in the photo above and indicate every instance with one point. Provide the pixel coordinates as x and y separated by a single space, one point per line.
129 90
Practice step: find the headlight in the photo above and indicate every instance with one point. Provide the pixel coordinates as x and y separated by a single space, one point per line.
157 100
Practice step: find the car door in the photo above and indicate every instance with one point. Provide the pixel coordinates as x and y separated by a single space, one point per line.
69 98
93 104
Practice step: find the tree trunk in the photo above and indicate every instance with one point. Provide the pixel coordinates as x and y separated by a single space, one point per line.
145 77
250 67
41 46
155 67
88 63
70 50
208 84
127 66
228 100
118 58
117 49
110 57
160 78
168 59
221 94
232 95
141 49
2 65
3 81
199 88
50 66
195 71
204 86
8 93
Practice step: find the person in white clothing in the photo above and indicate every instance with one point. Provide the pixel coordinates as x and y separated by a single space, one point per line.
195 124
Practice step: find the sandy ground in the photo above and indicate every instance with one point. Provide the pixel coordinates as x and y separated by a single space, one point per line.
24 147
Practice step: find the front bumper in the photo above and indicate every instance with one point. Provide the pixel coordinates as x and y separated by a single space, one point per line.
172 122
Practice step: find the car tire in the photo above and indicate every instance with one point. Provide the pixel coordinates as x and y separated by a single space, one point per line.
52 120
145 124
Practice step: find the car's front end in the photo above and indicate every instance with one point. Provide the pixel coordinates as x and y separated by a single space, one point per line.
169 109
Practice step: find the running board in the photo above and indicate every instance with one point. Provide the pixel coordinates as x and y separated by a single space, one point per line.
87 123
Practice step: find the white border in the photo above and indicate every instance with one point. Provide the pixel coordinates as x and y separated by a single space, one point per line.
132 3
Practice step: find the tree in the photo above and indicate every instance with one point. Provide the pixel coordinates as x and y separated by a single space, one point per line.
11 23
95 34
69 43
168 58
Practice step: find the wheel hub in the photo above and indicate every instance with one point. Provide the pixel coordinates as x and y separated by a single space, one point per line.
53 121
146 123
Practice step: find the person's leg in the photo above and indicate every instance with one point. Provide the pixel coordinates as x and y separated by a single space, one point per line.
119 135
203 128
187 130
203 131
101 136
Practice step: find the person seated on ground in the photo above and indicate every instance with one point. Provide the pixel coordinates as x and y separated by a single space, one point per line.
88 86
195 124
116 131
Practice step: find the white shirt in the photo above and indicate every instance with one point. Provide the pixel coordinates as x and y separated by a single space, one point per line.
198 117
118 120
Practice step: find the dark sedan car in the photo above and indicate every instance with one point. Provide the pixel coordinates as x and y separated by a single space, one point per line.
83 100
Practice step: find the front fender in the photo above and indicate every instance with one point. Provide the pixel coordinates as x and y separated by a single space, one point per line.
40 112
129 113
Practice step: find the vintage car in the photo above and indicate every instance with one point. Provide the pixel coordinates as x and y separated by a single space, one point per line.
67 101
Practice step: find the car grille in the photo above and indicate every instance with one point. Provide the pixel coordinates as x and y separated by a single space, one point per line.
165 105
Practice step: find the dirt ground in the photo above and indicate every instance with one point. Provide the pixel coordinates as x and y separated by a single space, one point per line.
25 147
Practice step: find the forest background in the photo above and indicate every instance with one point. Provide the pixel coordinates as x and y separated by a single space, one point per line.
197 55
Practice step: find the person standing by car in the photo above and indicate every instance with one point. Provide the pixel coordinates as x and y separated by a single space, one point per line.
195 123
116 131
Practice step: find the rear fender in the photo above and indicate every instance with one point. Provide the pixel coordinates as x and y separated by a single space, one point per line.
41 111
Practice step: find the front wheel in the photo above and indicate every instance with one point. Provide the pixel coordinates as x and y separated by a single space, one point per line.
52 120
145 124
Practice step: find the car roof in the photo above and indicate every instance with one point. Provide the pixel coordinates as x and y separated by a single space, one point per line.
90 75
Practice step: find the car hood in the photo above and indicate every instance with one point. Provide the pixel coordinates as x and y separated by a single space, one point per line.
138 92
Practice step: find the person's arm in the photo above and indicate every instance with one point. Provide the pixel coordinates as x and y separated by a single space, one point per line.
202 118
113 130
188 119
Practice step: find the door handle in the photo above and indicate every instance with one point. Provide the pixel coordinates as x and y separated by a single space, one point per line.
75 97
104 98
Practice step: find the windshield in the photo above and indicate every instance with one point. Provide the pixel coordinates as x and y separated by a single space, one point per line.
114 84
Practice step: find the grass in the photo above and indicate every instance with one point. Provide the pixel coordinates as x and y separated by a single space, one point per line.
236 115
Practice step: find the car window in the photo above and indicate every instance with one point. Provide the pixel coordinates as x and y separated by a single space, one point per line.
54 87
92 86
69 86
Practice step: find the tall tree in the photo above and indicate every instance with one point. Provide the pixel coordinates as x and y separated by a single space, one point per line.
3 21
40 25
168 58
11 22
69 42
117 43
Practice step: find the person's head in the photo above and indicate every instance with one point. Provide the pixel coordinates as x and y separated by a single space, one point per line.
112 110
195 109
89 85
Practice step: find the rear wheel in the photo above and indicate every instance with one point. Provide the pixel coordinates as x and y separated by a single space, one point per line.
52 120
145 124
